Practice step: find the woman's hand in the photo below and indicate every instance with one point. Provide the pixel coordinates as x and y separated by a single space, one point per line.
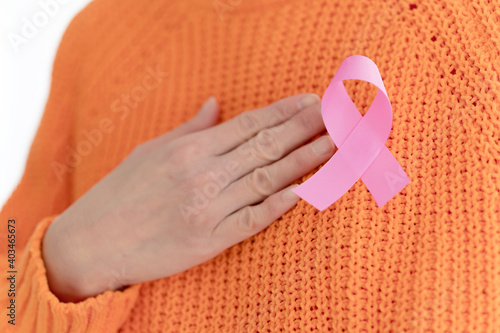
182 198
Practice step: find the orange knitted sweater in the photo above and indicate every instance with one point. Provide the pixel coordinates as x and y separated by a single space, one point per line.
428 261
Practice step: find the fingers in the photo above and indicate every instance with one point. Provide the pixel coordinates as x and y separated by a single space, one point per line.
263 182
271 144
234 132
252 219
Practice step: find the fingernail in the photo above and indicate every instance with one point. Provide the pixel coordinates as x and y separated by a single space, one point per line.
289 195
323 145
308 101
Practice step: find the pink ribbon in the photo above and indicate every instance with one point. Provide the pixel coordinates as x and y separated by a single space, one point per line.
360 141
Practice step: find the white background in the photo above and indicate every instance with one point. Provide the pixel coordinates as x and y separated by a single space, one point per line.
25 78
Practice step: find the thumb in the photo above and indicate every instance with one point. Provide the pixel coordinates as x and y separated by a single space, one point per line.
206 117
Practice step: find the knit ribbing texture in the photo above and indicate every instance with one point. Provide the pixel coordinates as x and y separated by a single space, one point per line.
427 261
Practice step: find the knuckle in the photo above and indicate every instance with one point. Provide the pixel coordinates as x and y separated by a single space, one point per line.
247 221
266 145
283 110
247 123
279 111
260 182
198 189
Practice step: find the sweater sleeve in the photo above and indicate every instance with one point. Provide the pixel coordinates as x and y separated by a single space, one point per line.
38 310
43 193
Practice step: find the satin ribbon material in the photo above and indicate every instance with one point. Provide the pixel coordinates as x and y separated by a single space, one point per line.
360 141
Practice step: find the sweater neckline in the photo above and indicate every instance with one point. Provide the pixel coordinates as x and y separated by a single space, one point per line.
235 6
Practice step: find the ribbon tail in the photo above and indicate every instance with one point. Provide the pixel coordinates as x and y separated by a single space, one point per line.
385 177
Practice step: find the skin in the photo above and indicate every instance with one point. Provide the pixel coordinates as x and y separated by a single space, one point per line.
182 198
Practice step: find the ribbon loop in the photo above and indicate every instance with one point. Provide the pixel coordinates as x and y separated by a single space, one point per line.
360 141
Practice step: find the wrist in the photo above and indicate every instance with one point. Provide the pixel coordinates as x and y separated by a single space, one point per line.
71 273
